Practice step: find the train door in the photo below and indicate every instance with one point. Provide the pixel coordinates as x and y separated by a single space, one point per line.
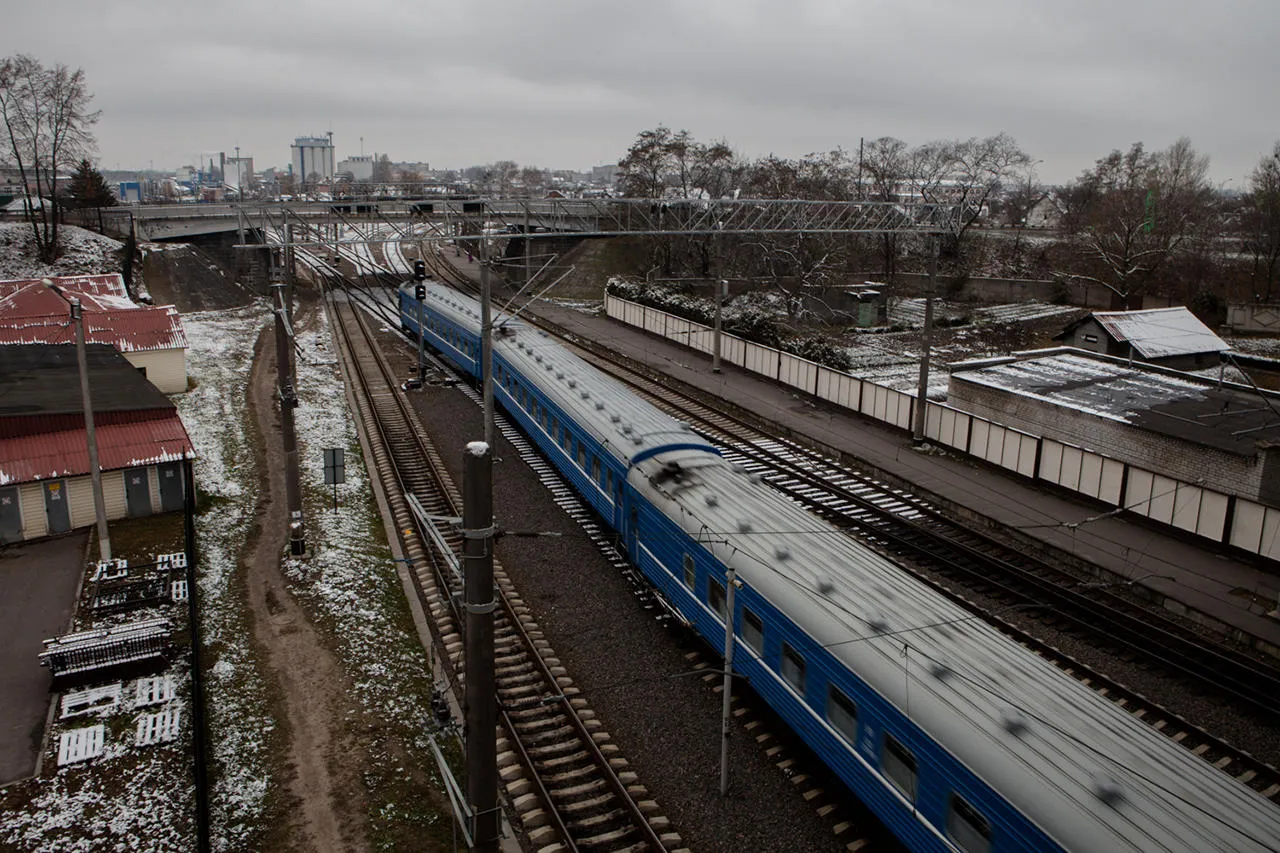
56 509
633 534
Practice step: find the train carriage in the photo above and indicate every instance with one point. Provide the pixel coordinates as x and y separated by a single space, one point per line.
959 739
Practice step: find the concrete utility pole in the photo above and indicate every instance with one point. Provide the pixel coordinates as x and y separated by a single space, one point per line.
95 471
922 389
481 698
725 716
288 402
722 288
486 338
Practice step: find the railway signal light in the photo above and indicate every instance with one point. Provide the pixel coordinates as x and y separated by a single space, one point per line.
419 270
420 292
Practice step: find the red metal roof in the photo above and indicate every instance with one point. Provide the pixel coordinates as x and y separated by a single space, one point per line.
111 284
36 313
135 330
60 447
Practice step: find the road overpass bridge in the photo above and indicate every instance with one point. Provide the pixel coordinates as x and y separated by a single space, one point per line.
578 217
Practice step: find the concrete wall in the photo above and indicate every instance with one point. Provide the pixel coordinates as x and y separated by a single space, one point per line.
1255 317
1181 460
974 289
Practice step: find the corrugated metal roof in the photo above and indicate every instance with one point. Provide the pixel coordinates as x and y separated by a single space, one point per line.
1161 332
110 284
64 452
36 312
136 330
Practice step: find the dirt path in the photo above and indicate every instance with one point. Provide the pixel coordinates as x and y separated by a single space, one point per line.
327 808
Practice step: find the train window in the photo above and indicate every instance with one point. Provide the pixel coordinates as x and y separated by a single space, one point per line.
969 830
582 456
688 571
753 631
899 765
715 596
793 668
567 442
608 482
595 469
842 713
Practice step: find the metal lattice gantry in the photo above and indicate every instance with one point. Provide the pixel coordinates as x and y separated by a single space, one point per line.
603 217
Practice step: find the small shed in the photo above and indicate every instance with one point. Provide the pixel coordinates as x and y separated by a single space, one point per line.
45 483
1169 337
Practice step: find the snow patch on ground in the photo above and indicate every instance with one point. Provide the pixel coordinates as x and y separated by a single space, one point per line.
83 252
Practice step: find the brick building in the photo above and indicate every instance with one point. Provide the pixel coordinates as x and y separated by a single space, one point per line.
1223 436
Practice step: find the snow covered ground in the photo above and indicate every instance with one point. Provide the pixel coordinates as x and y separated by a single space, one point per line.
142 798
85 252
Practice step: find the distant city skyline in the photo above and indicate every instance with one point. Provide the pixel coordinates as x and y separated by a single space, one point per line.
569 86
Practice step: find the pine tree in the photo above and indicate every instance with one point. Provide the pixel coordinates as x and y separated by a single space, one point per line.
87 188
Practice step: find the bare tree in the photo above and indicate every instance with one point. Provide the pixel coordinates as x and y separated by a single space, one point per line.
47 122
643 171
1132 212
979 167
1261 223
885 175
535 181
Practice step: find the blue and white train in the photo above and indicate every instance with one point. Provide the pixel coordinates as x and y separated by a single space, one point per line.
955 736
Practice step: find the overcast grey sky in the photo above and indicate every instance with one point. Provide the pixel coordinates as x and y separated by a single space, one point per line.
569 83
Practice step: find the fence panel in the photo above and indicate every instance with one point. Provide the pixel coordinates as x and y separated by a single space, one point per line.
1137 497
946 426
1270 545
1026 459
1090 473
1213 515
654 321
979 434
839 388
1164 492
798 372
1051 461
886 404
1112 481
1186 506
1246 525
1072 459
762 360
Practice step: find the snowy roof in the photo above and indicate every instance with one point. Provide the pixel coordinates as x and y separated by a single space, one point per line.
1226 417
109 284
1160 332
38 311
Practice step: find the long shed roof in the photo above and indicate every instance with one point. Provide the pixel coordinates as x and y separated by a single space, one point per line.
1223 416
1161 332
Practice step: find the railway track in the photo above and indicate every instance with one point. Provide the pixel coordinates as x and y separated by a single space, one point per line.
916 536
565 780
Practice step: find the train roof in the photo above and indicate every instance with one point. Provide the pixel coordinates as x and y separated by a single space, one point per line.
1086 772
626 426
